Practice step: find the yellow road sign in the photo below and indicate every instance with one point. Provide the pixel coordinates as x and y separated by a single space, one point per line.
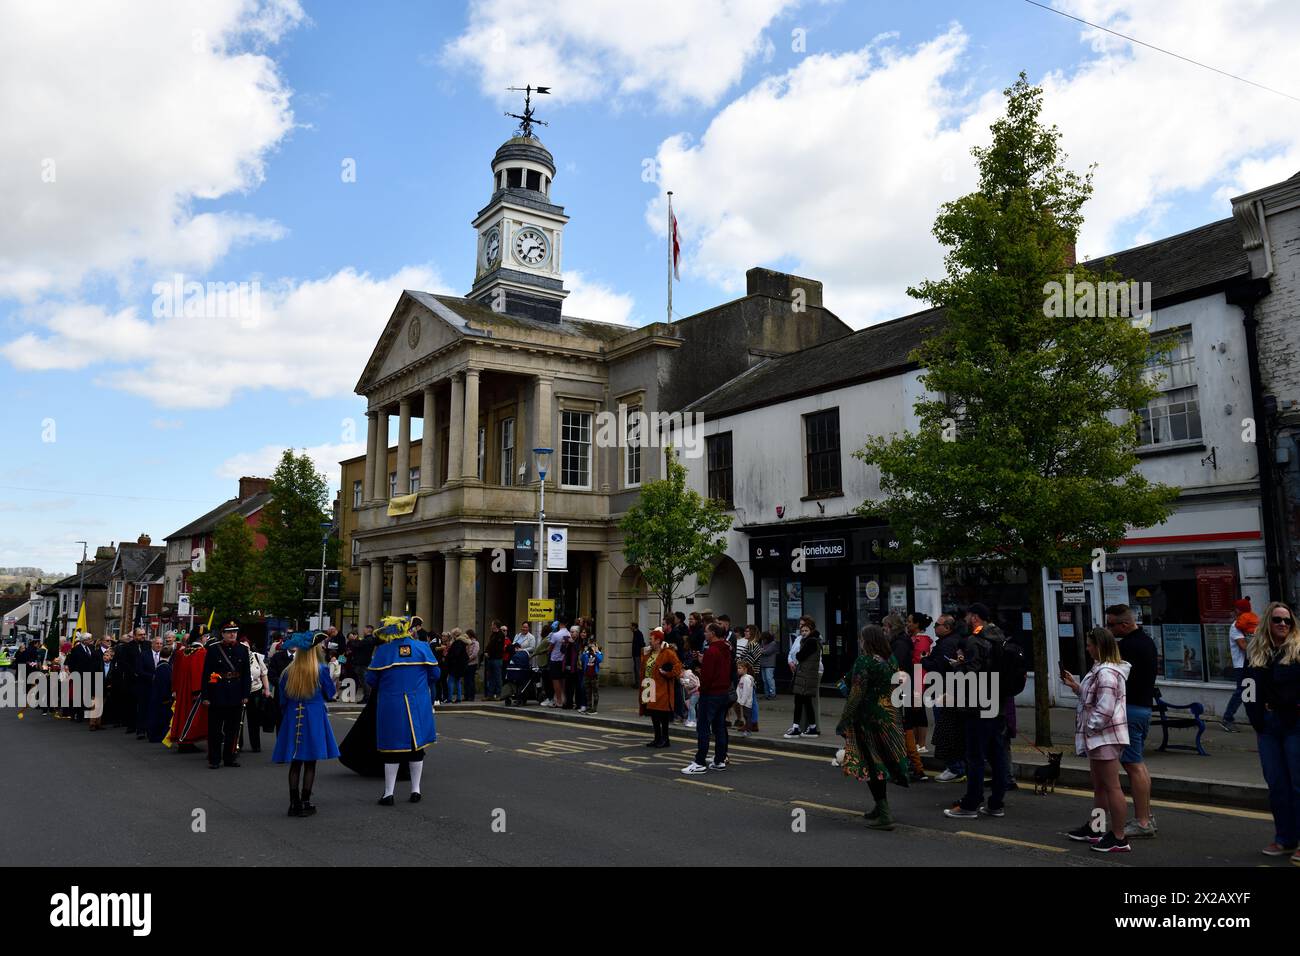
541 609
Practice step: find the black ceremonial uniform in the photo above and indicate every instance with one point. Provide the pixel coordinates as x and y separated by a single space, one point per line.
227 682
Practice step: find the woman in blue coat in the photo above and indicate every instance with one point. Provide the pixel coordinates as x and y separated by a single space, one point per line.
403 672
305 735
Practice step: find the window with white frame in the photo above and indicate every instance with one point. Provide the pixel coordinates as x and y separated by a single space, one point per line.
392 484
1174 415
356 494
482 450
575 449
632 453
413 480
356 551
117 593
508 451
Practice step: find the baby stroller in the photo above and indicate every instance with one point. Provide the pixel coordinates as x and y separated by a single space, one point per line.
523 680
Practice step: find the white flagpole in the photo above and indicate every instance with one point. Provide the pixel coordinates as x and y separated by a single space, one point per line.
670 257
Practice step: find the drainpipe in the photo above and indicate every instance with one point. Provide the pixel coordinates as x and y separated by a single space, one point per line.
1246 295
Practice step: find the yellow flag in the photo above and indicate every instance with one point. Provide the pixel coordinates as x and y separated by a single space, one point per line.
211 614
81 618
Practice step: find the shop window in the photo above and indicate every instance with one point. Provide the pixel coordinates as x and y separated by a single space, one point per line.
575 449
718 448
1174 415
822 434
1185 602
1003 588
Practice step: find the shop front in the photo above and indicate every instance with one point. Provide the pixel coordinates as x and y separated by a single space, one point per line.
843 575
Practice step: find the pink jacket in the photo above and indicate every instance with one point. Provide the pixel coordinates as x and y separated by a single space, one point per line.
1102 714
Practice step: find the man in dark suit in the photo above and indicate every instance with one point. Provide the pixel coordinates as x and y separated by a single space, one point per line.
84 660
148 654
227 682
125 662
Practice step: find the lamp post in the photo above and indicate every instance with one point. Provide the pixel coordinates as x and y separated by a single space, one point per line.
326 528
543 460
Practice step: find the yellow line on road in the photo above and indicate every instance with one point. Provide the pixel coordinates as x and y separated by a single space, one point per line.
1009 841
822 806
1179 805
609 766
700 783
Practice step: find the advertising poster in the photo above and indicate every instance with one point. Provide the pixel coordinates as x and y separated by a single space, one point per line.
1216 589
1183 651
794 600
1114 586
898 599
1218 654
773 607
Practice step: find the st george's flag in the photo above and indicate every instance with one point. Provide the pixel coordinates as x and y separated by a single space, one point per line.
676 241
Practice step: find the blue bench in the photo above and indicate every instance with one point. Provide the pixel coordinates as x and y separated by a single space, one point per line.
1161 718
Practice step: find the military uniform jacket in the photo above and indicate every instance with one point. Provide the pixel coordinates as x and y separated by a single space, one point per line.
227 677
402 671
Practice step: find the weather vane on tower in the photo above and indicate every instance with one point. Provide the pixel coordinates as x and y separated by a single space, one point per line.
526 120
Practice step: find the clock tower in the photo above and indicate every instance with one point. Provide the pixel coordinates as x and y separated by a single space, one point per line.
520 235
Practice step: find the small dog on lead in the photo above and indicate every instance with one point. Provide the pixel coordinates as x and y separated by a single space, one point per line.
1045 777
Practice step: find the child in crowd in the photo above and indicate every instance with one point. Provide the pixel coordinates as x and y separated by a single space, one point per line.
592 658
691 694
745 696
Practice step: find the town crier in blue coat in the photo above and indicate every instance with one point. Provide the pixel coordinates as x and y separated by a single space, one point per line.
402 671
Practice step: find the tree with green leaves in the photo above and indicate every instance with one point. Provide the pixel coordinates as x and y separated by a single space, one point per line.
293 525
230 583
673 533
1023 455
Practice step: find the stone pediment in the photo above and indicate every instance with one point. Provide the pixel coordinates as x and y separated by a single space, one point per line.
414 331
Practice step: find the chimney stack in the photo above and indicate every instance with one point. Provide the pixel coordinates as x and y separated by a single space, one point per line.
248 487
143 540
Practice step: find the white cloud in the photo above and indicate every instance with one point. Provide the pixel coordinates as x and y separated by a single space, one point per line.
135 111
308 337
674 52
593 300
263 462
836 168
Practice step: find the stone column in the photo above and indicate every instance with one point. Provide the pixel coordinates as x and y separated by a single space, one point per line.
424 587
469 461
404 447
607 635
376 611
456 440
428 479
541 415
523 432
467 596
363 595
450 589
381 455
368 475
399 587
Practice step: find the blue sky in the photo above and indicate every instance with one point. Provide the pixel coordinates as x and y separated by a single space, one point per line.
208 140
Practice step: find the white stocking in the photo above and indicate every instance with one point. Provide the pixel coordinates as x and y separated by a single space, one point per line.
390 778
417 771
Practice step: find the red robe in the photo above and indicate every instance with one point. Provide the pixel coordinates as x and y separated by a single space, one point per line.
187 677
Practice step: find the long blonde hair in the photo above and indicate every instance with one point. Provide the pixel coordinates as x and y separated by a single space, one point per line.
1260 649
302 676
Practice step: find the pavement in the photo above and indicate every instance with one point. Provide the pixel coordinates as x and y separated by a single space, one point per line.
1230 775
510 787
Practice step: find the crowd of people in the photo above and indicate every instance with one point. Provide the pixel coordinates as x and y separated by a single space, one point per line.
184 688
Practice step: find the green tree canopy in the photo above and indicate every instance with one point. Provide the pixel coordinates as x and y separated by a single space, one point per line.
1024 449
229 586
292 523
673 532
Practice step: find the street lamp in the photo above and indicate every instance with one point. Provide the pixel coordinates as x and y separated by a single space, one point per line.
543 456
326 528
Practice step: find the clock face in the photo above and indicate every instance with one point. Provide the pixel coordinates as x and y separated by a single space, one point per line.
531 247
492 246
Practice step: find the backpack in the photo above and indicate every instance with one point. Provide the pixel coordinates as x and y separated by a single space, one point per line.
1007 658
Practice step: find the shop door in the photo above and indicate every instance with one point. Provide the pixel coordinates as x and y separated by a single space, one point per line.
839 639
1071 625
